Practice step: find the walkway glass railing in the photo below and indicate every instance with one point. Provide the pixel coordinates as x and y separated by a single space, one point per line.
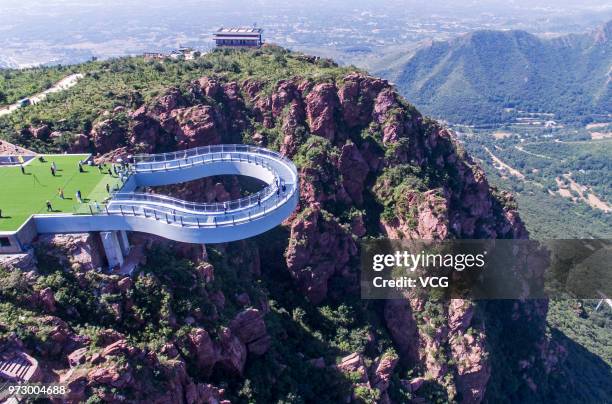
198 207
176 160
194 214
209 219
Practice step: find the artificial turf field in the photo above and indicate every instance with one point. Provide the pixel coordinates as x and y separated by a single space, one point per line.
23 195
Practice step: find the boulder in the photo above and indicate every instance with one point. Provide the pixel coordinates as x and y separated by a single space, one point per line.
250 328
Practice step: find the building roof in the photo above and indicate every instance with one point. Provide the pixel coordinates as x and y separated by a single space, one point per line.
239 30
247 38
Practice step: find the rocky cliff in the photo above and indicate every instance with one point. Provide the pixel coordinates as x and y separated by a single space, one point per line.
369 165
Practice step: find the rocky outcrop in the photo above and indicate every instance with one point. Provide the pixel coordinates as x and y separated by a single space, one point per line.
321 108
108 134
319 248
468 351
112 374
42 132
250 328
369 165
193 126
402 325
356 96
354 170
202 349
382 372
377 376
227 353
80 143
82 251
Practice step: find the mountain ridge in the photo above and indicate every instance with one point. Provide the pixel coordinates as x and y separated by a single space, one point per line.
475 78
251 320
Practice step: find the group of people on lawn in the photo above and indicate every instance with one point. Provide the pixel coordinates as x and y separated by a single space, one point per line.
60 191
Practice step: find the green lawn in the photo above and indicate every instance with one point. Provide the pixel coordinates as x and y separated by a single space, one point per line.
23 195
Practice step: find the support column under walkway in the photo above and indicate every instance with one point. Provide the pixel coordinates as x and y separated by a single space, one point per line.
115 247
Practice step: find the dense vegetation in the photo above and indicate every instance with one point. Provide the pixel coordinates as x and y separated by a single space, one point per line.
167 288
18 84
131 82
487 76
543 156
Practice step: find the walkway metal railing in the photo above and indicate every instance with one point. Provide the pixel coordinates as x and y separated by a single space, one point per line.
197 207
172 216
193 214
231 152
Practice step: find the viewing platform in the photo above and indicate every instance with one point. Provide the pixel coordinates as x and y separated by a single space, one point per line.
131 209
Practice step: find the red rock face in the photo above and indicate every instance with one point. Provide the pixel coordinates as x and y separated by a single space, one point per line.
354 170
80 144
321 108
319 248
468 351
369 130
42 132
107 135
403 328
201 346
357 96
193 126
377 376
250 328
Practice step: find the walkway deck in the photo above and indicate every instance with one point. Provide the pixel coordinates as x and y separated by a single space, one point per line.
186 221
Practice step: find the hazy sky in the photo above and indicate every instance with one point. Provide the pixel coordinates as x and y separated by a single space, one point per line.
61 31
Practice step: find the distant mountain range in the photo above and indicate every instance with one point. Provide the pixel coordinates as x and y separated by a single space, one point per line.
484 76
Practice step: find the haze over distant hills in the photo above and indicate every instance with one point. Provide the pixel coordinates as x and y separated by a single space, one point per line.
475 78
359 32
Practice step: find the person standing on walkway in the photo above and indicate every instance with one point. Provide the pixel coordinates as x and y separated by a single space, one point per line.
49 207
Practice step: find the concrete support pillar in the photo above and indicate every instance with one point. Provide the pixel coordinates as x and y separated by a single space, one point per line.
124 242
204 253
112 248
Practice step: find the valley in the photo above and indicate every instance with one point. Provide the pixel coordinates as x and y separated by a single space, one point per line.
562 167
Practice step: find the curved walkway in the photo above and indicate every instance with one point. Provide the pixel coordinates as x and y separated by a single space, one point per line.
186 221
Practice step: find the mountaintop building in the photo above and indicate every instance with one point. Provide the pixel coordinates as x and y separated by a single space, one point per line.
238 37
